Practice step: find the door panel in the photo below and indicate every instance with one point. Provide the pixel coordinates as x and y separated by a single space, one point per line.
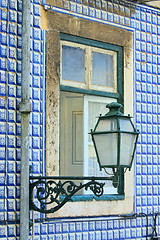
71 134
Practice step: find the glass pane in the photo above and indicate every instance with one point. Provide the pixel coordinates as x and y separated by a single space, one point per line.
107 148
91 166
73 64
127 146
107 125
95 109
102 69
125 125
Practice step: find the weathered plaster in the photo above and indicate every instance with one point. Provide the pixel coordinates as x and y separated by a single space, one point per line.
155 4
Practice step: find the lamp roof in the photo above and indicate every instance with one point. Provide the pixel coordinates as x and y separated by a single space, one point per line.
114 109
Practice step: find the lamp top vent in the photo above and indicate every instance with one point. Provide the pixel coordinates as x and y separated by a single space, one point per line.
114 109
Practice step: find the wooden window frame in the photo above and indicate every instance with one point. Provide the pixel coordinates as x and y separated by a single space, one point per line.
82 89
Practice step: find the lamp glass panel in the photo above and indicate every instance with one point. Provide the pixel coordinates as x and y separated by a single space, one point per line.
126 125
106 145
126 148
106 125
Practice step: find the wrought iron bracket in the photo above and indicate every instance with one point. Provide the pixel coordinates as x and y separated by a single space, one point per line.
49 194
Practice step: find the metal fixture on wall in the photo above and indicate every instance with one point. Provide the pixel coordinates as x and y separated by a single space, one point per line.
114 138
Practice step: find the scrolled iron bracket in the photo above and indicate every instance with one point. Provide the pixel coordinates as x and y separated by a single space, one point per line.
49 194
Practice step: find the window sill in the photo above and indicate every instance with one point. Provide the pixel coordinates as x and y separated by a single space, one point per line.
84 198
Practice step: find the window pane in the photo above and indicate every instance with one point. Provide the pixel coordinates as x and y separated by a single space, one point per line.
94 109
102 69
73 64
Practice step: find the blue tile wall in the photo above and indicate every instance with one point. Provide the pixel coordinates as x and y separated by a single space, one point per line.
145 22
10 119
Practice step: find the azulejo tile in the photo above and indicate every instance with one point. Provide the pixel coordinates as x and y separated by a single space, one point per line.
36 118
2 167
36 57
36 168
36 106
43 229
2 153
3 65
11 167
11 192
85 226
19 30
12 16
36 130
154 29
35 155
58 228
2 141
19 6
13 4
19 42
36 34
58 237
36 46
18 167
19 17
11 205
36 10
3 3
11 230
51 228
2 128
3 51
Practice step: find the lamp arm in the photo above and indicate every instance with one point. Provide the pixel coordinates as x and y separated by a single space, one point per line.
56 191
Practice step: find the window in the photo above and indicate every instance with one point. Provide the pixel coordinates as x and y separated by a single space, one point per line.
88 67
79 31
90 73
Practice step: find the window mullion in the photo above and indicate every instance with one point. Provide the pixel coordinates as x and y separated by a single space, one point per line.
88 66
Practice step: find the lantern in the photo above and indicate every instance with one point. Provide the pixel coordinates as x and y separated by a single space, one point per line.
114 138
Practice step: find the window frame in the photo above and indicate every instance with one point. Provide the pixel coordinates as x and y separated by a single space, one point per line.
101 45
66 38
88 73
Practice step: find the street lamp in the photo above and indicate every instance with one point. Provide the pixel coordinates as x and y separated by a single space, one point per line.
114 138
